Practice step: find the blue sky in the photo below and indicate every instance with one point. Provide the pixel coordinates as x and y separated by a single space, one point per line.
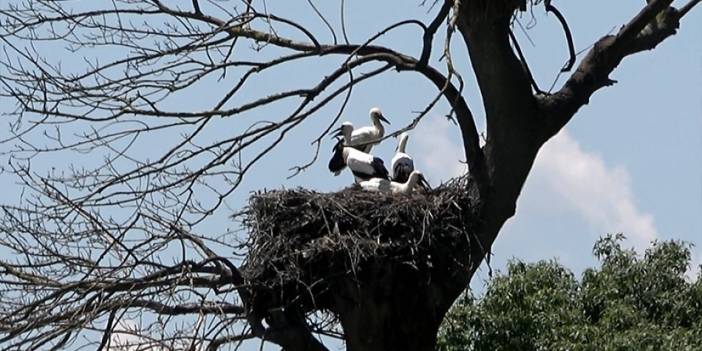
630 161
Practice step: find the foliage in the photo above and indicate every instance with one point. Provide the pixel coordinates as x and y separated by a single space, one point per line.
629 303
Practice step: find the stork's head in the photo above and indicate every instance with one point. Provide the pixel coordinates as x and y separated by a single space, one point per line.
344 131
416 177
377 115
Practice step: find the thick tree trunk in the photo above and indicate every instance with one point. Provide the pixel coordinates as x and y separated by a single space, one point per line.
511 112
394 307
387 319
399 305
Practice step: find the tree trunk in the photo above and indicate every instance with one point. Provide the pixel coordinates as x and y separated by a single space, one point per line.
399 305
391 308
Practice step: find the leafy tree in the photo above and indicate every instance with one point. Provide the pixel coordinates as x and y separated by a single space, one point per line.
628 303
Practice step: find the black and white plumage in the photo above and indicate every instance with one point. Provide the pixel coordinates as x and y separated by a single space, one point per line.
364 138
337 163
344 131
363 166
402 164
387 186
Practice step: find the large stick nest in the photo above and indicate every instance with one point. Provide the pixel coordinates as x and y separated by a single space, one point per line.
304 242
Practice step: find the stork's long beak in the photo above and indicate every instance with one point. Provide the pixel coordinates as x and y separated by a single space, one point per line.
380 117
424 183
336 132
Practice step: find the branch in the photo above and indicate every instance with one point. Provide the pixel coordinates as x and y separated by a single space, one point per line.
196 6
644 17
687 7
469 132
651 26
187 308
569 36
429 32
522 58
290 330
289 333
217 343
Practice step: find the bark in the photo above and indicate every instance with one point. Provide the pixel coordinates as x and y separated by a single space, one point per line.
398 306
375 316
511 112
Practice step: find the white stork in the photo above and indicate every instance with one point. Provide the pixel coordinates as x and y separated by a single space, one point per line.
364 138
384 185
363 166
402 164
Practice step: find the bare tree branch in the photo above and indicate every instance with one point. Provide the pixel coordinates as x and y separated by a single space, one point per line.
653 24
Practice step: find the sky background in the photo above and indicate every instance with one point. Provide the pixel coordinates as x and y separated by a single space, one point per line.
630 161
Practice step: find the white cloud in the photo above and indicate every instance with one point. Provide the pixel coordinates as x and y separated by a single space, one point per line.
601 195
564 177
436 154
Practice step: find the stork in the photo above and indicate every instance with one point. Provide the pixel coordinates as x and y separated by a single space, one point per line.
402 164
337 162
363 166
364 138
384 185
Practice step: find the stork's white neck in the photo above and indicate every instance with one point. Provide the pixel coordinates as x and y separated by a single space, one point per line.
347 135
376 121
403 142
380 128
378 125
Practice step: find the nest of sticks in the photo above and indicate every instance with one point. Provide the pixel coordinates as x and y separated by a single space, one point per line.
303 242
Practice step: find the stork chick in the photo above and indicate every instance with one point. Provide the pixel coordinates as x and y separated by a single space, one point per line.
384 185
402 164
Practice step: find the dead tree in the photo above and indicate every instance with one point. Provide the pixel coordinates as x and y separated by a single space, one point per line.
109 251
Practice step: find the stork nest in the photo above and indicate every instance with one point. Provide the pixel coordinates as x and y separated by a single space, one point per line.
303 242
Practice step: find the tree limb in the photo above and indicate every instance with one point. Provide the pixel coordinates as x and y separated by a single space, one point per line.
429 32
569 36
653 24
